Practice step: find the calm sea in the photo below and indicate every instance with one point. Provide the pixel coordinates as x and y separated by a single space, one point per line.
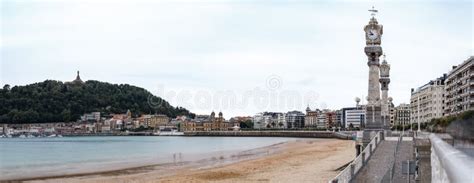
32 157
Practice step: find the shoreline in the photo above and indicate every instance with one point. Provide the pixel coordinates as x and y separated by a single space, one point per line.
311 153
215 159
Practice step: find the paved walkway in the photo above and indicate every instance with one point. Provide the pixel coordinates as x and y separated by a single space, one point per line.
405 152
378 164
381 162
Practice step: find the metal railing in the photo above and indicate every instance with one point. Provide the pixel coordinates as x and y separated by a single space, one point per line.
346 175
449 164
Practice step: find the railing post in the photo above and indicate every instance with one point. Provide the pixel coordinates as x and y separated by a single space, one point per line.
363 158
352 171
371 150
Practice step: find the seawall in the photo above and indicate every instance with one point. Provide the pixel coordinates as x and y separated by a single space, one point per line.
303 134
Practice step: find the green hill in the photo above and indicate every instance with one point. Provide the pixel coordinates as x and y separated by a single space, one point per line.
55 101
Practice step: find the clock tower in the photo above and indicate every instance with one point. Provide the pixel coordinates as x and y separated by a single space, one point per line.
385 81
373 38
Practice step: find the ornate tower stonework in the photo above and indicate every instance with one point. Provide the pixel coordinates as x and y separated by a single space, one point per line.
373 50
384 81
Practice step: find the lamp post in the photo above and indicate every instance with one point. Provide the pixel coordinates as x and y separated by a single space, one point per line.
419 130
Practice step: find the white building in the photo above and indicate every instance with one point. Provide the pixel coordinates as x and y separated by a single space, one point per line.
281 120
402 114
427 102
295 119
269 120
93 116
459 88
353 115
258 121
321 120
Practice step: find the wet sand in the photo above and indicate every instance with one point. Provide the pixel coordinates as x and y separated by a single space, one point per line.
303 160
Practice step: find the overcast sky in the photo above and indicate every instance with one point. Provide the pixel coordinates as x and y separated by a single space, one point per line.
235 56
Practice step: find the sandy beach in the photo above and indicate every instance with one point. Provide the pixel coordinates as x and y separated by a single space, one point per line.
303 160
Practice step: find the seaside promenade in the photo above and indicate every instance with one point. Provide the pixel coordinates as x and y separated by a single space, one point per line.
413 157
385 165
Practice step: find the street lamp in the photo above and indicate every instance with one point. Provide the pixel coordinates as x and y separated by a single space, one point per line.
419 129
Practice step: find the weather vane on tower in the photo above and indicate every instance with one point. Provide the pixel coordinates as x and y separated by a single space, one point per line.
373 11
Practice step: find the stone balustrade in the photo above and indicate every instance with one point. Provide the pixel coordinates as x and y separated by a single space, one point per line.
449 164
349 173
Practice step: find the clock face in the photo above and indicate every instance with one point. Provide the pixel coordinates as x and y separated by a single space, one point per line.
372 34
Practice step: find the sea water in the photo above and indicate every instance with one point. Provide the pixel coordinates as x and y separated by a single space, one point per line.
36 157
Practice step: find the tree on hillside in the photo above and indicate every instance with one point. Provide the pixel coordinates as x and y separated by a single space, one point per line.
55 101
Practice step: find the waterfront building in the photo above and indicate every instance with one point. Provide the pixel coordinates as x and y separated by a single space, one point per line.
353 117
212 123
427 101
311 118
258 121
120 121
392 111
91 117
90 128
192 125
330 118
459 89
295 119
154 121
402 114
218 123
140 122
201 118
105 127
240 119
269 120
339 118
274 120
321 120
281 120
